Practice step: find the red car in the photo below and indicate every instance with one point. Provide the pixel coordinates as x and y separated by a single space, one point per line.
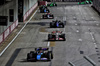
56 36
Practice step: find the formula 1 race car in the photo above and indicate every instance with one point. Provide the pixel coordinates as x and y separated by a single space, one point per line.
52 4
42 7
48 16
40 54
45 10
56 36
57 24
86 2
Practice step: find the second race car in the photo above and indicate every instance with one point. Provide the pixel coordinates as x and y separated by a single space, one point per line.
44 9
56 36
57 24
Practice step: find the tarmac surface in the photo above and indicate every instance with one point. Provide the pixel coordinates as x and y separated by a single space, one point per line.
82 38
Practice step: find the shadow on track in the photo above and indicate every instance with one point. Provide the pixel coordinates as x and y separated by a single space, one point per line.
13 57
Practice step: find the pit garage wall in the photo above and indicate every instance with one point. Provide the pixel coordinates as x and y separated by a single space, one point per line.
29 7
4 11
6 30
96 4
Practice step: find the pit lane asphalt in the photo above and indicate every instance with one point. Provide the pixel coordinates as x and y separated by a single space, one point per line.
81 22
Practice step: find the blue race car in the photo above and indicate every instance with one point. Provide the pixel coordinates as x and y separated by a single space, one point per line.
57 24
42 7
44 10
40 54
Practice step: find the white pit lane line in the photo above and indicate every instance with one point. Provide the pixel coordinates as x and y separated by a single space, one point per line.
43 32
80 40
48 44
77 31
95 44
76 24
17 34
97 24
92 37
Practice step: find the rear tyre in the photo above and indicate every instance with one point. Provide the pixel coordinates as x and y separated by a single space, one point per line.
61 26
28 57
43 16
52 16
50 25
64 37
49 36
55 4
49 56
64 22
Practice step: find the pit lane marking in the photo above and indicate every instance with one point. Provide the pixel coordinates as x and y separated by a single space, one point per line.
76 24
97 24
42 29
77 31
91 33
80 39
48 44
43 32
51 44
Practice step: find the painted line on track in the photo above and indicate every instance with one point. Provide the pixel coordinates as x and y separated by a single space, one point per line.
93 38
17 34
48 44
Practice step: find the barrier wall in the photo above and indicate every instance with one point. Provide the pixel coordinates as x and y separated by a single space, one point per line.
7 32
29 12
4 35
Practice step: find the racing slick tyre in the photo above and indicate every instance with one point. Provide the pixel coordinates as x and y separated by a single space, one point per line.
90 3
55 4
49 56
50 25
28 57
86 3
62 25
52 16
43 16
47 11
64 22
49 36
63 35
